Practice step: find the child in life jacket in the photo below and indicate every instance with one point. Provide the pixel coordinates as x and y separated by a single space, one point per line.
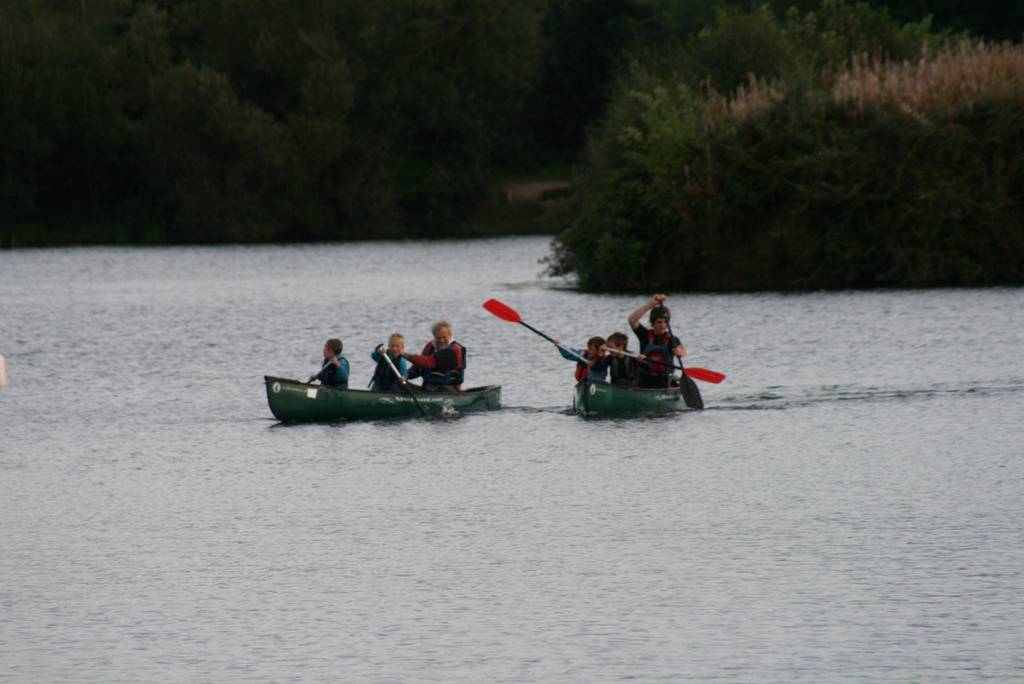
384 379
624 369
334 370
657 343
594 363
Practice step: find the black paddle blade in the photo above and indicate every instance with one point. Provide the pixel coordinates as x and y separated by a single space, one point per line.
691 394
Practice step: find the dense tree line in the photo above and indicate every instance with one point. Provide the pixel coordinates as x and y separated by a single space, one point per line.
151 121
249 120
225 120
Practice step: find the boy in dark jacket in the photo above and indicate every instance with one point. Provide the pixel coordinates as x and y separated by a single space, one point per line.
334 371
624 369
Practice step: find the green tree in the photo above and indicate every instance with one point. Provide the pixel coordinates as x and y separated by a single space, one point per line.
219 164
993 20
447 87
65 147
583 43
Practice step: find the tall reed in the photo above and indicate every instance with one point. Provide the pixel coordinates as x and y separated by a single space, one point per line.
955 79
753 97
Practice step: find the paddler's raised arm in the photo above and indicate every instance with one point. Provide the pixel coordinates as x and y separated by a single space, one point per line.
634 318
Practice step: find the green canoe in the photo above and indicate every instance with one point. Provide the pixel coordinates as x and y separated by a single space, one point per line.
292 401
605 399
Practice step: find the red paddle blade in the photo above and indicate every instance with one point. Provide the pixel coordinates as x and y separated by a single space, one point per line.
705 375
502 311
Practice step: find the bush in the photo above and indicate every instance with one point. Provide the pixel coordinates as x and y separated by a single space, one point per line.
882 173
641 151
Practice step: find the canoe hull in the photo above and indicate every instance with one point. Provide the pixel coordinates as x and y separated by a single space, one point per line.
292 401
605 399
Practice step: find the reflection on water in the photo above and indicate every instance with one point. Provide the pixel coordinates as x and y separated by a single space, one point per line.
846 508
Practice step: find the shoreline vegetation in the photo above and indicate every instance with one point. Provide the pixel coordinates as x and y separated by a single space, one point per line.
704 145
882 173
508 209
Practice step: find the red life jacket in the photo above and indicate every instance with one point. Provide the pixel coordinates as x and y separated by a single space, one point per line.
659 356
582 369
596 367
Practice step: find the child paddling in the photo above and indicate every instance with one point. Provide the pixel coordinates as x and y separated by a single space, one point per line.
334 370
591 364
622 365
384 379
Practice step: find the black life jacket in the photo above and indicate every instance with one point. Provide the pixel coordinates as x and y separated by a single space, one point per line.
623 370
452 357
383 377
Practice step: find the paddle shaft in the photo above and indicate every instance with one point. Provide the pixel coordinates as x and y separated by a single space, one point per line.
507 313
688 388
695 373
637 357
401 380
555 342
530 327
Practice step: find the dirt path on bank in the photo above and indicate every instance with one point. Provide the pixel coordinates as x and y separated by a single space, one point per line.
531 192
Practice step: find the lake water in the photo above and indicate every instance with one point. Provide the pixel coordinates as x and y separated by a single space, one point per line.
850 506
